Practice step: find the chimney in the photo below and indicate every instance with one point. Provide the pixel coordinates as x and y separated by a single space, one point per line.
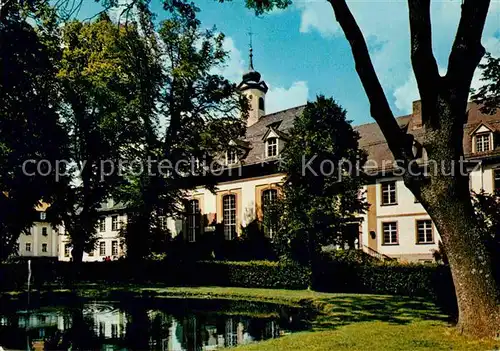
417 115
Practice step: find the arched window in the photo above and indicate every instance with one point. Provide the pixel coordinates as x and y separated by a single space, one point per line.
272 147
229 216
269 213
261 104
193 219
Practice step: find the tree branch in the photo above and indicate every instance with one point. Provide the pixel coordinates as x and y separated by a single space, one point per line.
422 58
467 50
399 142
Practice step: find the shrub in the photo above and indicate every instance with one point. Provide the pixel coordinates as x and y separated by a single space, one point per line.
339 272
261 274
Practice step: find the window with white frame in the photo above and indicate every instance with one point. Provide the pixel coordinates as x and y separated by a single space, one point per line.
44 247
425 233
114 223
229 216
231 157
114 248
483 142
102 248
193 219
102 224
269 197
389 193
44 231
27 247
43 216
390 233
67 248
272 147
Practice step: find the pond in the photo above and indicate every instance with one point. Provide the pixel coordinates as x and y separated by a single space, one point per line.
166 324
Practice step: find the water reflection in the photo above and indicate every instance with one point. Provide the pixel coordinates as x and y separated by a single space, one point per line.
171 325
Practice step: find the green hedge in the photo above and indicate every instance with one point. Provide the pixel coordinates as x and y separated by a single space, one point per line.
261 274
331 274
264 274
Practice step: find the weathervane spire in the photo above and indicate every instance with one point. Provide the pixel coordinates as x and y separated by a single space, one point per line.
250 64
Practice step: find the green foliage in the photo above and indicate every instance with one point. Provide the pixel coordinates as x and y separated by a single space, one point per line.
322 190
263 6
488 94
262 274
28 118
99 97
190 113
487 209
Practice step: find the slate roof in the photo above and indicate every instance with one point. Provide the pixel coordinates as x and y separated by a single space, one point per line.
372 140
256 132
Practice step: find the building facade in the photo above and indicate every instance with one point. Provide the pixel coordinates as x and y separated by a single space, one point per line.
109 243
41 240
395 225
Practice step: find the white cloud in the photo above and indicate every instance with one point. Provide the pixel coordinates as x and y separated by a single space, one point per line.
408 92
317 15
386 23
234 66
279 98
121 12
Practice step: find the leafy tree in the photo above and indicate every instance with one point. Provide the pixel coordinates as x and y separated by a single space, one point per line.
487 208
322 191
488 95
98 115
29 126
444 192
193 115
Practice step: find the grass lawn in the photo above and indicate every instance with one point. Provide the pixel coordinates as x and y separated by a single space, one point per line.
343 321
355 322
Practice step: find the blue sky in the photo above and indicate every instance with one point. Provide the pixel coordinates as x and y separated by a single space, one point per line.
301 52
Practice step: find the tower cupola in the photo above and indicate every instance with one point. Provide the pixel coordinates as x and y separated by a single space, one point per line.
255 90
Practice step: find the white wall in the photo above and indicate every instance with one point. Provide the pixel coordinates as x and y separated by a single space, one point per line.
37 239
246 212
107 237
406 212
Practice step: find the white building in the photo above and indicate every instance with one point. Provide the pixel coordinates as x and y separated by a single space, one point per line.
42 238
395 224
109 242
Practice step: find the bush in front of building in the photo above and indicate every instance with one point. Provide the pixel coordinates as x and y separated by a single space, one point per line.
338 273
346 273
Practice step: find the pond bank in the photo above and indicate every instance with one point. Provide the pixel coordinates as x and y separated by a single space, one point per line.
342 321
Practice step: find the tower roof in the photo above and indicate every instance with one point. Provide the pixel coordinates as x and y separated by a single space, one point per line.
252 79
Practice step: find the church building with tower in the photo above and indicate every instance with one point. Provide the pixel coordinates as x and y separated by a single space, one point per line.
395 225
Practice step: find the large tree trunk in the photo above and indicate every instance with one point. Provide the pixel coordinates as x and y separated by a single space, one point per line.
470 263
77 253
446 197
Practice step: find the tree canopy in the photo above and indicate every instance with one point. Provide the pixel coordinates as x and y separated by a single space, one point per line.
322 193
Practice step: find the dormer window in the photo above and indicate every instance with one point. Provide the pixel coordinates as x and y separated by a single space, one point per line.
483 142
482 138
231 157
272 147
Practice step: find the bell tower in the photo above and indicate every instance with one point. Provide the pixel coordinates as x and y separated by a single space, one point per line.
255 90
